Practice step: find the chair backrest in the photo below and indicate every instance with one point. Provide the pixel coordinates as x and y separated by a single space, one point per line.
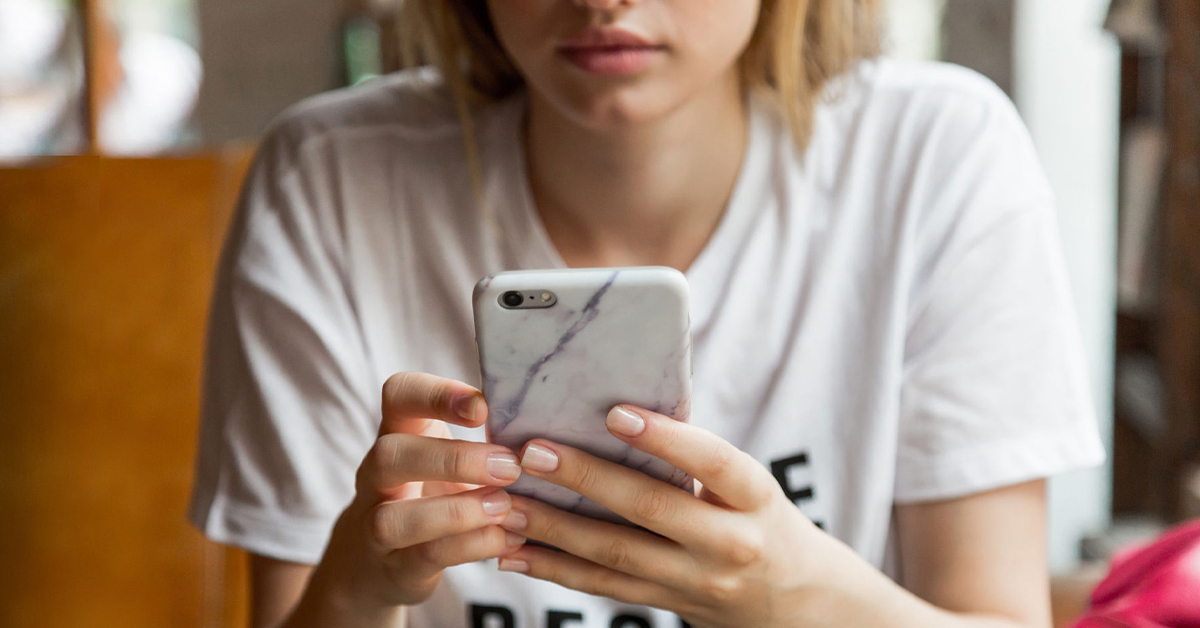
105 272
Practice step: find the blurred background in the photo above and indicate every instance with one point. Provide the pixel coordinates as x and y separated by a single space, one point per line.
125 129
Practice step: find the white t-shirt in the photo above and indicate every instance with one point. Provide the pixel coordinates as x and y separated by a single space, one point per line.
883 318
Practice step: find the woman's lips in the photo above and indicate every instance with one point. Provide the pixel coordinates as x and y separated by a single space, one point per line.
612 60
610 51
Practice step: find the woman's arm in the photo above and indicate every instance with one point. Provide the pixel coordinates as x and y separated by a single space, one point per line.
973 562
949 547
423 503
275 589
982 553
741 554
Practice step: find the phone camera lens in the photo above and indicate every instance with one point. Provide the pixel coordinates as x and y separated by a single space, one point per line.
512 299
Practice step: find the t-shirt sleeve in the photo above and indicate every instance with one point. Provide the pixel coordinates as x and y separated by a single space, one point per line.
994 386
287 411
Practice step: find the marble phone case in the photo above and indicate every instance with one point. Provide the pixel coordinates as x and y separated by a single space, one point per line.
616 335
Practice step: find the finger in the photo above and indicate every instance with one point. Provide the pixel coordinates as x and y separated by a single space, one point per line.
587 577
728 472
434 489
412 400
401 524
460 549
643 500
628 550
396 459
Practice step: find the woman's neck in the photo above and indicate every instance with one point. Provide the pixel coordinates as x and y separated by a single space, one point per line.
650 194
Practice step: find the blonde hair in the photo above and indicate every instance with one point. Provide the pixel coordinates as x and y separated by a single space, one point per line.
796 48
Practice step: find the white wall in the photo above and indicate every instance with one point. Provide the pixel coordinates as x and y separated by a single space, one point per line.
261 56
914 28
1067 88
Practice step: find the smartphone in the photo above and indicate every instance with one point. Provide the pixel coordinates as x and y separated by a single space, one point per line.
559 348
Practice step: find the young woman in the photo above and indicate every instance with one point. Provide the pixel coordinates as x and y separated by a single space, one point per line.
885 361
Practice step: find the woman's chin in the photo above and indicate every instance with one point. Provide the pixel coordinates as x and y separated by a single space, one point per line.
614 111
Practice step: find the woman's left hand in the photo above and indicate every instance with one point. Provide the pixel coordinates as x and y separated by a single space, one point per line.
739 554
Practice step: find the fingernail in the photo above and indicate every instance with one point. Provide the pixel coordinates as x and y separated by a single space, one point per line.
514 539
515 522
515 565
624 422
538 458
503 467
464 406
496 503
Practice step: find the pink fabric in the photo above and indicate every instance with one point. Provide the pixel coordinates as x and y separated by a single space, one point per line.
1152 586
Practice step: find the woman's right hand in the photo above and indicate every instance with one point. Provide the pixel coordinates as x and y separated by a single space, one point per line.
424 502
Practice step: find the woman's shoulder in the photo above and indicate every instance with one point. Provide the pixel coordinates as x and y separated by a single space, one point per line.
895 114
888 94
898 76
953 140
414 104
897 83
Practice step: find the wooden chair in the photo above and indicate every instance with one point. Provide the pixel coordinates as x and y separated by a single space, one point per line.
106 266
